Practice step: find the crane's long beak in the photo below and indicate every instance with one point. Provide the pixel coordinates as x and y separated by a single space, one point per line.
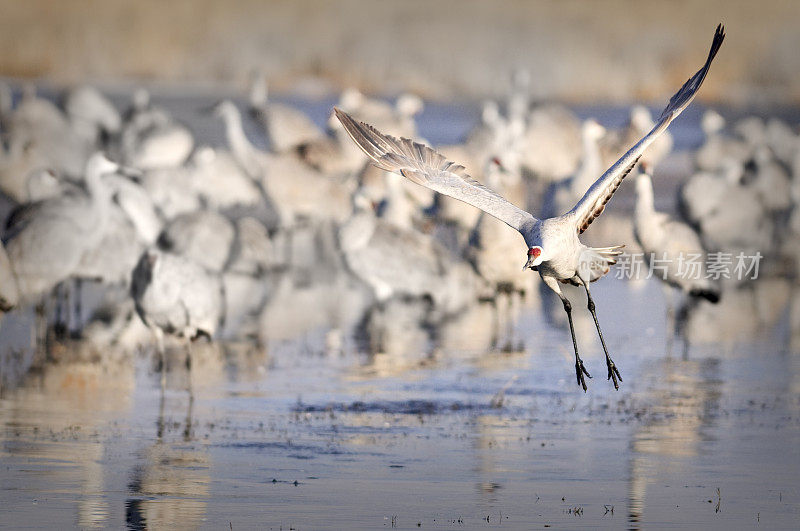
529 264
209 109
130 172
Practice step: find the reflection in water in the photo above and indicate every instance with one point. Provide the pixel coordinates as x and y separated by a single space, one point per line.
169 485
170 490
405 333
794 318
472 332
58 415
302 305
424 393
683 411
399 329
489 431
743 313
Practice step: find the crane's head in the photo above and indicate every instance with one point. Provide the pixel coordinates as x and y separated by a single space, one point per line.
98 165
644 180
534 258
641 118
592 130
224 108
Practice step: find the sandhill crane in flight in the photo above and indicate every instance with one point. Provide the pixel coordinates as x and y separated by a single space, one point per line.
554 249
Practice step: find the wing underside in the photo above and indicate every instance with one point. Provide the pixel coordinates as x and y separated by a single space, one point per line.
427 167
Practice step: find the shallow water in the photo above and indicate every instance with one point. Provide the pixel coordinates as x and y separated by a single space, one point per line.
309 437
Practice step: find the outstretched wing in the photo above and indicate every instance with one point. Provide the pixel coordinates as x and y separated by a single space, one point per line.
594 201
431 169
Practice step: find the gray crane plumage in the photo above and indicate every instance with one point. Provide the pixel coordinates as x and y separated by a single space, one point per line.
205 236
553 245
397 262
177 295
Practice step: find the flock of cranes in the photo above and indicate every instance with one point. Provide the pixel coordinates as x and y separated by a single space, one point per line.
240 243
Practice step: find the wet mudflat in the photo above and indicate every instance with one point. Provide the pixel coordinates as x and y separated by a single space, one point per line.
453 430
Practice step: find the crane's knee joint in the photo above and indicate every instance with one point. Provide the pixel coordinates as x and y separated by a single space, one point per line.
591 305
567 305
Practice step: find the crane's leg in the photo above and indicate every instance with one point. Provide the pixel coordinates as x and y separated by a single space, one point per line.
61 299
160 424
188 362
671 330
514 304
504 338
162 356
41 350
580 370
77 319
495 323
187 430
613 372
681 318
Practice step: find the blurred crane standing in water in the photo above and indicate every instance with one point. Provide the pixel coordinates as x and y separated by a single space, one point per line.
675 245
46 240
554 249
174 295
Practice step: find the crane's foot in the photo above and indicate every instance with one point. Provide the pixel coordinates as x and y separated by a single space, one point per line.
613 373
580 370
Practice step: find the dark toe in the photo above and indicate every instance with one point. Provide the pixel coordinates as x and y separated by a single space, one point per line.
613 374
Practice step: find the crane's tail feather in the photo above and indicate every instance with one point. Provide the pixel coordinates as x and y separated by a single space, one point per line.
610 254
711 295
596 262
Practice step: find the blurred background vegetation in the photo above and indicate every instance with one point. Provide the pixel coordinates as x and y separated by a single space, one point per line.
580 52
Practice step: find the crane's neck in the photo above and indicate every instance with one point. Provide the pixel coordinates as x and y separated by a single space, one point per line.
259 91
95 185
645 202
399 210
590 166
99 196
356 232
591 151
242 148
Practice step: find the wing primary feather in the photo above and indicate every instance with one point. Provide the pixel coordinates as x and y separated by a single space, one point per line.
686 93
594 200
